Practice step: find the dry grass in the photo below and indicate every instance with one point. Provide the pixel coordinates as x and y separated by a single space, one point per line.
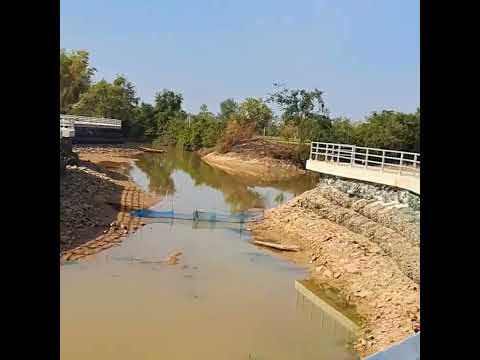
234 134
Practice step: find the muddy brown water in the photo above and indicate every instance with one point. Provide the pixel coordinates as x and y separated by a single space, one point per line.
224 299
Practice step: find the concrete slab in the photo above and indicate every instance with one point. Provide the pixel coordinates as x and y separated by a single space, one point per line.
328 310
406 181
408 349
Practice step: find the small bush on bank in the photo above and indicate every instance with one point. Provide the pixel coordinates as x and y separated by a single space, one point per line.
288 132
203 132
235 133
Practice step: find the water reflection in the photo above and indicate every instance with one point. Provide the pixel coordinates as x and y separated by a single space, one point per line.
239 193
224 299
279 199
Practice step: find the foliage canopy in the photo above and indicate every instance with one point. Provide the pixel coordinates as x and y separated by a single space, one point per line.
303 114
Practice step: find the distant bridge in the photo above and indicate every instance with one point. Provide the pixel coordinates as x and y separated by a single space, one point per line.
90 129
394 168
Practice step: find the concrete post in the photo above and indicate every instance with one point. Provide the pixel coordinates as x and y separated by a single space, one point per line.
383 159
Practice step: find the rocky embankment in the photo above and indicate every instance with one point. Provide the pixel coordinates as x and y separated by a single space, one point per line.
362 240
110 148
67 156
374 213
96 196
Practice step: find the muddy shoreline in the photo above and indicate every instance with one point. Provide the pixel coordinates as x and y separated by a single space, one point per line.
265 169
96 196
257 159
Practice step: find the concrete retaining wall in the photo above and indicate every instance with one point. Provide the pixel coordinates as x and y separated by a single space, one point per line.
94 135
408 182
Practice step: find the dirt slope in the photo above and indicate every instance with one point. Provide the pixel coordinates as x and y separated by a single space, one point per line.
95 199
258 158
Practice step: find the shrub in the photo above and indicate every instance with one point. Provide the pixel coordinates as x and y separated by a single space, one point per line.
288 132
234 134
202 132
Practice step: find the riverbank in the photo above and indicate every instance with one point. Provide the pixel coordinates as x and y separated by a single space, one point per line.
359 239
362 246
259 159
96 196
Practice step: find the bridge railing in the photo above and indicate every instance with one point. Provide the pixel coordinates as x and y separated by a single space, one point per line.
401 162
87 120
67 128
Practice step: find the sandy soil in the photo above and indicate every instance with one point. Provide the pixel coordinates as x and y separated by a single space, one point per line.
258 159
95 199
367 278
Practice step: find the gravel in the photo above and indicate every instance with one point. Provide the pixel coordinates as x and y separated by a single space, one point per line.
105 148
67 156
81 188
362 190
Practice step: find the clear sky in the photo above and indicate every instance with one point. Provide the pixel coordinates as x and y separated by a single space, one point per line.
364 54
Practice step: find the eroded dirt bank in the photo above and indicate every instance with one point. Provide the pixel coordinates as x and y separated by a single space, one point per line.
96 195
259 159
363 246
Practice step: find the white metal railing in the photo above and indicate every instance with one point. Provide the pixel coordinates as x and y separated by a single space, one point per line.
67 128
87 120
66 123
402 162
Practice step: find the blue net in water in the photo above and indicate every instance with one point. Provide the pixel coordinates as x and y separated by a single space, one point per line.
197 215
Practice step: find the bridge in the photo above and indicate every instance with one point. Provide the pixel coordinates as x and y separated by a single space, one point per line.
90 129
388 167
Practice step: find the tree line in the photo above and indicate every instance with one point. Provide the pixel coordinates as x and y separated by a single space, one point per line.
303 114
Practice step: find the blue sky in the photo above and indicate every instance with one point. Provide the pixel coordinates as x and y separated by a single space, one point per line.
364 54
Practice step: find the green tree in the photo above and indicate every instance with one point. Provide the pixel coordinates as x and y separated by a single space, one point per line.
176 131
205 112
300 107
168 106
75 77
275 126
417 132
254 110
391 130
115 100
144 121
147 117
203 131
342 131
228 108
